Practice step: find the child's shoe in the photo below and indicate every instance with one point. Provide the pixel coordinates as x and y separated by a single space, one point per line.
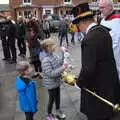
49 117
60 114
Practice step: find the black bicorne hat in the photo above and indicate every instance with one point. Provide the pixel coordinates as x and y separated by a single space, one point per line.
81 11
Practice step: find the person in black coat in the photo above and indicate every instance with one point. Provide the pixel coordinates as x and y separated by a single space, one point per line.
98 72
5 46
21 31
11 34
34 45
63 31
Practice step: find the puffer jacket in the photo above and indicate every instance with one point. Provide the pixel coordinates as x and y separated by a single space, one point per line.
26 95
52 69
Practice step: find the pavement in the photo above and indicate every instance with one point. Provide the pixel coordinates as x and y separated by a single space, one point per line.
70 96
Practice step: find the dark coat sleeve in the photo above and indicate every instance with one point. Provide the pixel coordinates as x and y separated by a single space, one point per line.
88 63
12 31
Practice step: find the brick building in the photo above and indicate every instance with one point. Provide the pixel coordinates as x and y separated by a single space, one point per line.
38 8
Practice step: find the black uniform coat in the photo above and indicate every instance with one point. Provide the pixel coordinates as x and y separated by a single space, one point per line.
98 74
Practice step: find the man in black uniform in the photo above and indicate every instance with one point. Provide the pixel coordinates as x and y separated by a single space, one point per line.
98 73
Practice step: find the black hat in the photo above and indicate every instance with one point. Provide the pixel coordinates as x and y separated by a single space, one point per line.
81 11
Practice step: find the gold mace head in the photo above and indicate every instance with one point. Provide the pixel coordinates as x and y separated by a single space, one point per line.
69 77
116 107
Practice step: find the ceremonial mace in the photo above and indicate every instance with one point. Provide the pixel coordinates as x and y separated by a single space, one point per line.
116 107
70 78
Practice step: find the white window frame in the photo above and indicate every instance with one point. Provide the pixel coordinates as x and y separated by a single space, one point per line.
67 1
48 8
30 12
46 12
27 2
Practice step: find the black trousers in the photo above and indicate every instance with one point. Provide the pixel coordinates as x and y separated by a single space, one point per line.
37 65
29 115
12 48
6 50
21 45
54 96
72 37
47 33
61 39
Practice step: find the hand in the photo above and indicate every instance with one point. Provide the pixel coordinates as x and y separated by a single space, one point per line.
63 49
65 66
27 44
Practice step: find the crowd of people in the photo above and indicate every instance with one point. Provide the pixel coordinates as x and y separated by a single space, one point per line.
12 32
100 60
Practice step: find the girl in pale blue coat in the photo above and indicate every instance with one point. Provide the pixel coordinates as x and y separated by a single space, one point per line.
52 67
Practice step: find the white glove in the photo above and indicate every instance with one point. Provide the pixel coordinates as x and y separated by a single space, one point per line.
63 49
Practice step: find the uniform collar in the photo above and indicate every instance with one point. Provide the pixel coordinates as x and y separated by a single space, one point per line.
90 26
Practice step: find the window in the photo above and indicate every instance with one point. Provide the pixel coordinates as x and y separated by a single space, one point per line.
47 12
27 14
67 1
61 12
35 13
27 1
55 17
20 14
67 12
94 0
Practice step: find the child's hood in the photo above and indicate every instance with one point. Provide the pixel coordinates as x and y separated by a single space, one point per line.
20 84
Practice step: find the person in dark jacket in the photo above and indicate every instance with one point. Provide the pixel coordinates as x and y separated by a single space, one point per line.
63 31
98 72
5 46
21 30
11 34
33 39
46 28
26 89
